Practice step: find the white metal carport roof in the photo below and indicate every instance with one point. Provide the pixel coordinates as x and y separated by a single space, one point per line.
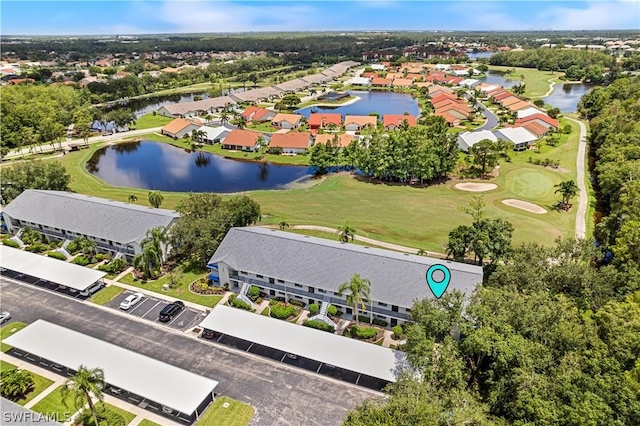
149 378
48 268
353 355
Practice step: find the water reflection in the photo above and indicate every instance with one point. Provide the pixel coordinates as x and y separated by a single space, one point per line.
380 102
155 165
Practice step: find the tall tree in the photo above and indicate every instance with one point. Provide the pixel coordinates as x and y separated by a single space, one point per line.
83 386
358 292
156 198
346 232
486 154
567 189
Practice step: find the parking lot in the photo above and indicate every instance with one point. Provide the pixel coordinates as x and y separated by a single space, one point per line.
149 308
43 284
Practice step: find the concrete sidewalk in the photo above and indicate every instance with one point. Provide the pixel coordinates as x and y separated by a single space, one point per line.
58 380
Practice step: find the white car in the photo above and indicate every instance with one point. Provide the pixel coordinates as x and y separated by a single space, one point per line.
131 300
4 317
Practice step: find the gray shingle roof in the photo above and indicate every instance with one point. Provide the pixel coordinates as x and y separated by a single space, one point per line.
97 217
396 278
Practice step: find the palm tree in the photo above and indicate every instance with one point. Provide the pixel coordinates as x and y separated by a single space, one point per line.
241 122
208 118
15 383
155 199
86 384
421 252
149 260
133 198
518 89
346 232
567 189
358 291
224 116
283 225
86 245
157 237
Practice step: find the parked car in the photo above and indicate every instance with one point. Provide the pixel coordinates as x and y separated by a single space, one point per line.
91 289
131 300
292 356
170 311
4 317
208 334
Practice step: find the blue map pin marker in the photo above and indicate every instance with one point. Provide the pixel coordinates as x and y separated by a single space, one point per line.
438 287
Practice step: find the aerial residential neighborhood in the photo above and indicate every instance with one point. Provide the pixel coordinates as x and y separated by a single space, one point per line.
280 214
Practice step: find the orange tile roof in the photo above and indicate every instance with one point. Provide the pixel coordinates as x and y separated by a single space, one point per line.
424 84
393 75
501 95
447 117
544 117
290 140
403 82
397 120
510 100
380 81
240 137
343 139
319 120
450 103
437 88
361 120
518 105
414 76
247 112
535 128
289 118
178 124
441 96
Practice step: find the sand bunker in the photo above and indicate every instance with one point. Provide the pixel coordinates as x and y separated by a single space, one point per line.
524 205
475 187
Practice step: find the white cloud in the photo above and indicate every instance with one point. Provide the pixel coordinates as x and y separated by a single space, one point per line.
596 15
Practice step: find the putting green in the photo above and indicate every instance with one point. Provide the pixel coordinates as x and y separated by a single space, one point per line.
531 184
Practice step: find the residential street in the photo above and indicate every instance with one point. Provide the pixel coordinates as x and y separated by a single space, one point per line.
280 395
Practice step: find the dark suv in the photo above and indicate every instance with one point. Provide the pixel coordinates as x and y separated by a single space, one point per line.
170 311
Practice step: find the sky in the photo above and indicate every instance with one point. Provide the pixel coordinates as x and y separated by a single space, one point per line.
159 16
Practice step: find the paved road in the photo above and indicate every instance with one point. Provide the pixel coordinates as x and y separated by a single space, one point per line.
95 139
492 120
583 196
281 396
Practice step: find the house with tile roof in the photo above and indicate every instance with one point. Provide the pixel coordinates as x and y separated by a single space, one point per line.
395 121
180 127
355 123
540 118
536 128
380 82
343 140
258 114
468 139
292 142
402 82
519 136
287 121
516 106
322 120
242 140
449 118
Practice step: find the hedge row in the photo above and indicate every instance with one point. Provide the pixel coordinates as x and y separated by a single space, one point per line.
320 325
282 311
363 333
57 255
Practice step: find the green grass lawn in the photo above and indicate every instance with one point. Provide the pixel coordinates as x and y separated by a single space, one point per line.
263 127
7 331
52 403
148 121
128 417
106 295
40 384
236 414
181 292
266 312
146 422
327 235
4 365
537 82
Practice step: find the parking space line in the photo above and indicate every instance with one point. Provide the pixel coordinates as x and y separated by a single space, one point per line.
150 310
176 317
140 302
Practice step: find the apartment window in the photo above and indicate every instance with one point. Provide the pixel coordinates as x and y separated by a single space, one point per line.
394 308
243 272
312 290
321 291
382 304
297 285
271 281
281 281
259 276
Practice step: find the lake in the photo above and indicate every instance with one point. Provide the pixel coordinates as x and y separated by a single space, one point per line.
156 165
497 77
477 55
566 96
380 102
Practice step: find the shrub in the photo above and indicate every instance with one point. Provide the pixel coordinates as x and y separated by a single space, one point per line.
296 302
72 247
237 303
313 308
332 310
9 242
363 333
282 311
379 322
232 297
254 292
567 129
398 332
364 318
81 260
15 383
106 417
36 248
54 244
103 256
320 325
259 300
57 255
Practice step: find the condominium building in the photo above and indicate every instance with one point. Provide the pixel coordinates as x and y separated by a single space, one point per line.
310 270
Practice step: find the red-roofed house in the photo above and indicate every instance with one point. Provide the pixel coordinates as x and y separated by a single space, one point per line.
369 74
453 110
394 121
355 123
542 119
380 82
292 142
402 82
321 121
254 113
241 140
343 140
441 96
179 127
287 121
450 119
536 128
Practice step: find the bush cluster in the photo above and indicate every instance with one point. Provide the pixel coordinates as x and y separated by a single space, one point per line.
237 303
545 162
254 292
36 248
57 255
115 266
320 325
398 331
103 256
296 302
81 260
106 417
282 311
332 310
9 242
314 308
363 333
380 323
72 247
